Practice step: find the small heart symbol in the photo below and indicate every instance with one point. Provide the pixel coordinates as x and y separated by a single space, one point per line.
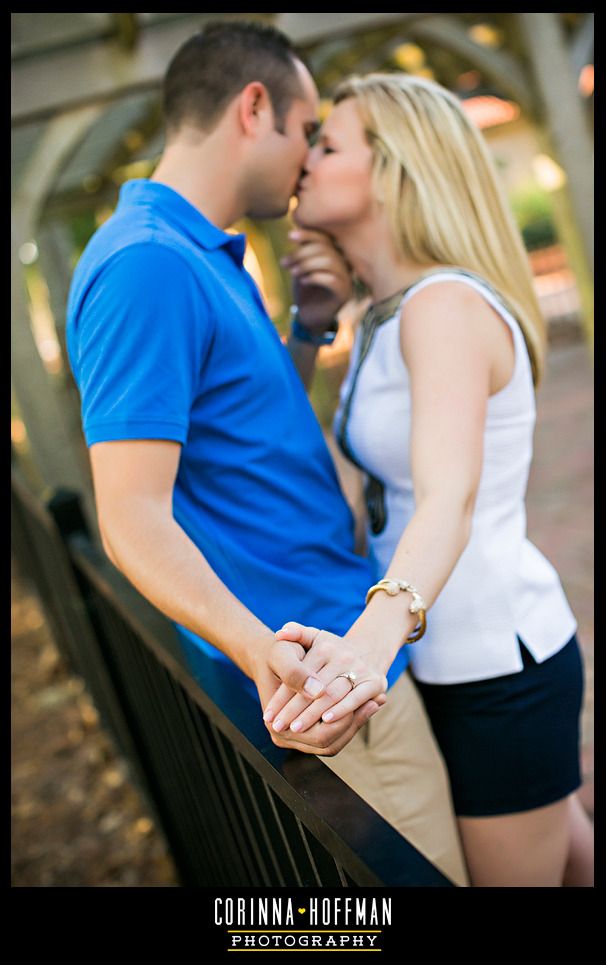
301 910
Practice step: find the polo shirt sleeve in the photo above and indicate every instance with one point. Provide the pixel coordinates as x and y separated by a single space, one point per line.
143 337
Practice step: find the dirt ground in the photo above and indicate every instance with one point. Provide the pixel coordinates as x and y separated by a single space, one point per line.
77 820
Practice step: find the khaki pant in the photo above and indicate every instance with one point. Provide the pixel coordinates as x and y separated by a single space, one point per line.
394 764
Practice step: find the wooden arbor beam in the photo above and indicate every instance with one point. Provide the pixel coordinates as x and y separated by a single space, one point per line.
53 450
503 68
136 59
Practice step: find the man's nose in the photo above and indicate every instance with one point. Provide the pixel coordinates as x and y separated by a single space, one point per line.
309 160
304 166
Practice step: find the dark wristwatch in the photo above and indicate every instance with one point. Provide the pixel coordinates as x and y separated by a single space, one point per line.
302 334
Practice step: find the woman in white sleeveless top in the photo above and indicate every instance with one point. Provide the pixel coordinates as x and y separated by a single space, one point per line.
438 410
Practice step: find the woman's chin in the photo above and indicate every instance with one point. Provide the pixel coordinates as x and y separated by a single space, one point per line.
302 219
299 219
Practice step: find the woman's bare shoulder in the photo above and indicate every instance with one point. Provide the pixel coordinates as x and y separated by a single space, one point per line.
452 319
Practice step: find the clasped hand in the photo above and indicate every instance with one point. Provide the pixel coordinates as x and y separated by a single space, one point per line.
315 709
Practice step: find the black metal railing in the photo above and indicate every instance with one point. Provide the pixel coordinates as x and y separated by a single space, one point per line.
235 809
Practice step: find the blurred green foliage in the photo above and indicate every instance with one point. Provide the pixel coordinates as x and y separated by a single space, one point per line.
82 226
533 210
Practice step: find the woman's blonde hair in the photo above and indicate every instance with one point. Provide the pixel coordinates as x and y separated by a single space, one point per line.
434 172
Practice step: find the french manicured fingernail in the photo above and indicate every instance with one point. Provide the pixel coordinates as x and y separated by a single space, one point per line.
296 725
295 235
312 686
278 725
268 716
327 716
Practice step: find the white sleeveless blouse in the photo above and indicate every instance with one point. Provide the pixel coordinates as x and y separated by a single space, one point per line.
501 586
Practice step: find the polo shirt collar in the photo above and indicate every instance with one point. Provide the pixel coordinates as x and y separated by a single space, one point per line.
178 210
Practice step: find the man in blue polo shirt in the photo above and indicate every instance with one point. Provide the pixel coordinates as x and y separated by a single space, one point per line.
215 491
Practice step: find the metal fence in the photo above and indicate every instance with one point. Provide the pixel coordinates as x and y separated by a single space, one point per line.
235 809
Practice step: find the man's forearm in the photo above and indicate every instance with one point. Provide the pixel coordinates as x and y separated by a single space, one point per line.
158 557
161 561
303 355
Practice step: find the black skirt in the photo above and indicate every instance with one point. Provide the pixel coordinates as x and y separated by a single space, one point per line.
511 743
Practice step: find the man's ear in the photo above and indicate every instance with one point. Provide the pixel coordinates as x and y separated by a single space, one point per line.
255 110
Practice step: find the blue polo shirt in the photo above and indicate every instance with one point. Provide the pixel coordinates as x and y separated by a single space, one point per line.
168 338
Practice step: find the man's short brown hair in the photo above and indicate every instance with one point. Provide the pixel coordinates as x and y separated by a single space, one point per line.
214 65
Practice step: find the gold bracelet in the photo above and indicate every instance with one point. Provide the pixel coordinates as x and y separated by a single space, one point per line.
392 588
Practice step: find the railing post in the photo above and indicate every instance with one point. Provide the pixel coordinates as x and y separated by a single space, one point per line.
65 506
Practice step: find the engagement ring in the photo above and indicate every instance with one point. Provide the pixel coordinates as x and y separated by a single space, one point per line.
350 675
